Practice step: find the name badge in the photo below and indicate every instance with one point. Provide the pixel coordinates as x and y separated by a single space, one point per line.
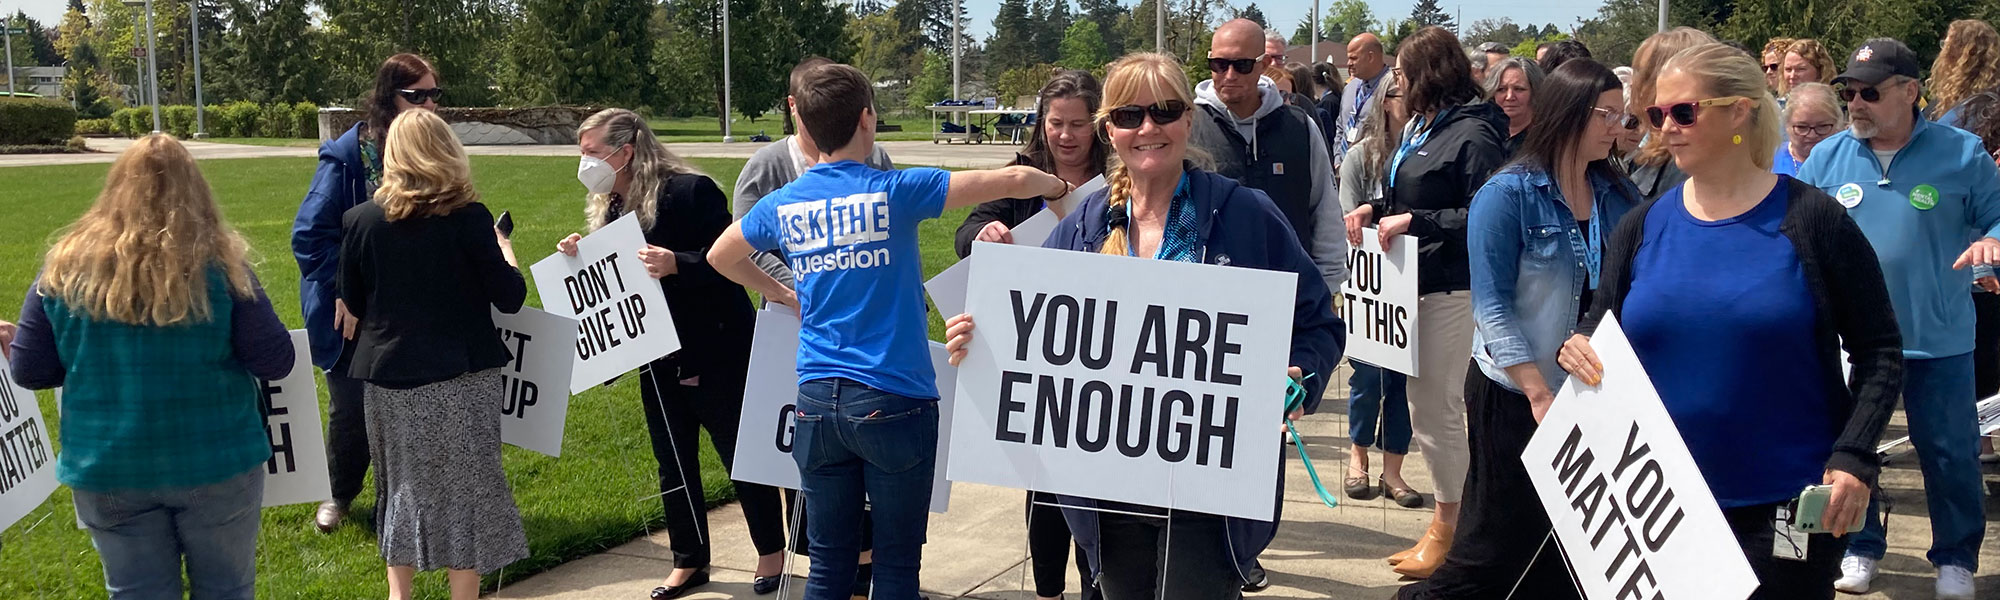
1849 195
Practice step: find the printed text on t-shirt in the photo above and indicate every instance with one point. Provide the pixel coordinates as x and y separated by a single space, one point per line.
837 223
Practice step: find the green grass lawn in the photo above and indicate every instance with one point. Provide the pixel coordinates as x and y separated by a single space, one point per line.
601 493
272 142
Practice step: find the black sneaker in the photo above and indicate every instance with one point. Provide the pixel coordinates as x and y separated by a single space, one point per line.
1259 581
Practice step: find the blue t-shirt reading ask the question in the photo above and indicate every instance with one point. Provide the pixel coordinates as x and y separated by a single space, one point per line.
849 233
1720 315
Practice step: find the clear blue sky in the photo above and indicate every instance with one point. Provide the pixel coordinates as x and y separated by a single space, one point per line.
1284 14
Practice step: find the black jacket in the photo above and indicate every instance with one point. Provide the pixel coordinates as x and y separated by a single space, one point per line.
424 289
1851 305
1008 211
1435 185
711 313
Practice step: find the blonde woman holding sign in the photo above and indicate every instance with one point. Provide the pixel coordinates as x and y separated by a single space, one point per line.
422 268
627 171
1738 290
1159 205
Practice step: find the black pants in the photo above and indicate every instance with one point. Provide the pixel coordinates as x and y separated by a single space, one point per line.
1783 579
1502 525
675 414
346 435
1145 558
1986 354
1049 544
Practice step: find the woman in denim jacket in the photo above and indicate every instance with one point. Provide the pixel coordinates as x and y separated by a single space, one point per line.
1535 235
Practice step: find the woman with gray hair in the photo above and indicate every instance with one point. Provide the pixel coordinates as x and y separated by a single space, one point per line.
628 171
1511 85
1812 113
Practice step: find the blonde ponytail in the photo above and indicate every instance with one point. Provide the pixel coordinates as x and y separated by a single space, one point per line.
1118 192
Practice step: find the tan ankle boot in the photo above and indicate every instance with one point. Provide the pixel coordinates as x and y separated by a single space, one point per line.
1430 552
1399 557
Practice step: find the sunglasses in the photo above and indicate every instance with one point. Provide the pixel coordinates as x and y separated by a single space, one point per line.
1869 95
1684 112
1130 117
1616 118
1814 130
1771 68
421 96
1243 66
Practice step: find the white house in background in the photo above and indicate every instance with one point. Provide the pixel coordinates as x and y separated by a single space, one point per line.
46 81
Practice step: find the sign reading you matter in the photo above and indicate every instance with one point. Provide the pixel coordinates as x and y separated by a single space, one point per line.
1143 381
1629 505
764 434
537 379
27 458
296 472
621 314
1379 303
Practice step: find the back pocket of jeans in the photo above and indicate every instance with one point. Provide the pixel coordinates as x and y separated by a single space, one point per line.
805 440
899 441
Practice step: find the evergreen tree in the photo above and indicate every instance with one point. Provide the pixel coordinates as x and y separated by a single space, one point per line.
1106 14
1053 27
1012 44
266 55
582 52
1252 12
463 39
1427 13
1083 47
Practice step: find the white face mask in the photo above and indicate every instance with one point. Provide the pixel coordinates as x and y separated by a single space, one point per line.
596 175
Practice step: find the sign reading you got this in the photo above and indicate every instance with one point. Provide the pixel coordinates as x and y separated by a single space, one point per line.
622 318
1379 303
1143 381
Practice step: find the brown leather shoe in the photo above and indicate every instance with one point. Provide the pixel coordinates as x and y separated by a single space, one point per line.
329 516
1430 552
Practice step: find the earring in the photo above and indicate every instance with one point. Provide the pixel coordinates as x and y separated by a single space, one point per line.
1738 140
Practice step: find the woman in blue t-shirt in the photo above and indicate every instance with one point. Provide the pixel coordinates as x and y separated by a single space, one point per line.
1738 290
1812 114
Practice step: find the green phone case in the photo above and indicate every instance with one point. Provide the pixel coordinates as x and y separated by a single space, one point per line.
1811 510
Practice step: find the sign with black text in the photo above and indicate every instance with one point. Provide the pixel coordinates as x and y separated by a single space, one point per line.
296 472
1144 381
622 319
537 379
27 456
770 394
1379 303
1629 505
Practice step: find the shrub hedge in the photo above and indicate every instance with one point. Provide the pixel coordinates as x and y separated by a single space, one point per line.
36 121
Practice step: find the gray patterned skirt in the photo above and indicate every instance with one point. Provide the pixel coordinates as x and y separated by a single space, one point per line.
442 501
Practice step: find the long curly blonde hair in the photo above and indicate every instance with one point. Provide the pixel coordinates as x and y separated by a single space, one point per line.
1969 63
424 170
1123 79
1814 53
143 253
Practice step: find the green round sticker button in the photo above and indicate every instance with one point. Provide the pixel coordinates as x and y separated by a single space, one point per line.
1924 197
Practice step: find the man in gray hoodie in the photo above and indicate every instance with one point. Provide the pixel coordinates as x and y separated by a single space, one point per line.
1253 136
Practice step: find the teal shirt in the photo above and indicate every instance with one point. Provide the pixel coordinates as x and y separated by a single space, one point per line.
155 407
1939 194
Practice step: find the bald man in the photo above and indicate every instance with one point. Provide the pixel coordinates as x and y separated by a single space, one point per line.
1369 68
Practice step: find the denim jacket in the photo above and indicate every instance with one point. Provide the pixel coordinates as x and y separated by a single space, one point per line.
1530 264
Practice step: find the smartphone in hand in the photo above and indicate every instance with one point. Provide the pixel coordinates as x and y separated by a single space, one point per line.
505 224
1811 512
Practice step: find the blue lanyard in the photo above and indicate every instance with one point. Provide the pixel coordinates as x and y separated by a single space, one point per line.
1414 136
1361 98
1593 248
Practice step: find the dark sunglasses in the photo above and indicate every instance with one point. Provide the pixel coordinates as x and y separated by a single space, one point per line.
1243 66
1684 113
1869 95
1771 68
422 95
1130 117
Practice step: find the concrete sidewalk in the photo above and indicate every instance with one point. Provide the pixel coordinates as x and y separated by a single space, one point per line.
978 550
905 153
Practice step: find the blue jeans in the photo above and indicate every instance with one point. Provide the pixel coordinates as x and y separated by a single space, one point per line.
1373 390
144 535
1938 401
855 446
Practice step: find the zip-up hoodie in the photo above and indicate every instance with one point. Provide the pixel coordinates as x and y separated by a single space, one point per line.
1329 232
1939 194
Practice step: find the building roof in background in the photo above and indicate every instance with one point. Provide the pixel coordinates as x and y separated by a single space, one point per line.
1331 51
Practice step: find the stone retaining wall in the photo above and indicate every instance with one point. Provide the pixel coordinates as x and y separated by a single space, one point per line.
544 125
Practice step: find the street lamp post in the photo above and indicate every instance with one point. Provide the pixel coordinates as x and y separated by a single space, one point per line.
200 111
152 65
726 137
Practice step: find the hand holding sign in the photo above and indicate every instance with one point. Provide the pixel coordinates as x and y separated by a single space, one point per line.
621 312
1391 226
29 475
1580 360
660 262
995 232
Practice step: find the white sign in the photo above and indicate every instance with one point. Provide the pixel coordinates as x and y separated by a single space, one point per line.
1629 505
537 379
1379 303
1076 197
1144 381
296 472
764 433
27 459
947 289
622 319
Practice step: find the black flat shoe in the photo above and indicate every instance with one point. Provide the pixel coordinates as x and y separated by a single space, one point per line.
698 579
765 585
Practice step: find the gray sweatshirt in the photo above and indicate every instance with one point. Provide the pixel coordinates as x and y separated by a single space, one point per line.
1329 234
772 167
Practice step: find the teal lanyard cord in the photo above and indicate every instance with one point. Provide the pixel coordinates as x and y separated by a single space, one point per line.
1295 396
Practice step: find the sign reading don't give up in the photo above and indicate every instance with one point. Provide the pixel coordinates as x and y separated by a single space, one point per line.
622 319
1143 381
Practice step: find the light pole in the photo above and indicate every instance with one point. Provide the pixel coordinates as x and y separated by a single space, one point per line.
152 83
200 111
956 6
1663 15
7 31
1315 26
726 137
1160 26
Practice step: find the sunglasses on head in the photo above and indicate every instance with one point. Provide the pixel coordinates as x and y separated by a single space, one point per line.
1684 113
1243 66
1869 95
422 95
1130 117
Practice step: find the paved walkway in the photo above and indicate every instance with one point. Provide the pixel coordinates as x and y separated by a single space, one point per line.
905 153
978 550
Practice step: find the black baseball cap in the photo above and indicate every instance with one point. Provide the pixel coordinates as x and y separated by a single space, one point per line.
1878 59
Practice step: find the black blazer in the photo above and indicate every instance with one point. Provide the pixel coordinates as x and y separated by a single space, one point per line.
712 314
1852 311
424 289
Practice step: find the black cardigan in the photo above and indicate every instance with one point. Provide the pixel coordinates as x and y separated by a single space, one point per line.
711 313
1853 310
424 289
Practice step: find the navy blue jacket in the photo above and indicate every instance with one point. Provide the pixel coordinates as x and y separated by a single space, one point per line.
340 183
1238 227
